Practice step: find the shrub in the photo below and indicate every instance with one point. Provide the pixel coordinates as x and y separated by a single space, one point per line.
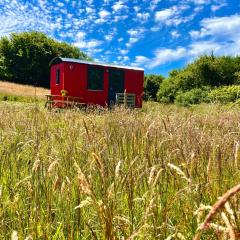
225 94
167 91
151 86
206 71
194 96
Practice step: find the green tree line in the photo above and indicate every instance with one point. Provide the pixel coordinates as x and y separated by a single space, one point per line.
25 57
208 79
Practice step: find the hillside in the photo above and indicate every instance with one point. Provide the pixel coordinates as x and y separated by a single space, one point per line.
22 90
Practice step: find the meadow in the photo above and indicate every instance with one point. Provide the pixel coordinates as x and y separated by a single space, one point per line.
151 173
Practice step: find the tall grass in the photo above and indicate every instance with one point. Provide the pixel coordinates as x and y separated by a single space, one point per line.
122 174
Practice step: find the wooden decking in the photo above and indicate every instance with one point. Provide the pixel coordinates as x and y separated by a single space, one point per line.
59 101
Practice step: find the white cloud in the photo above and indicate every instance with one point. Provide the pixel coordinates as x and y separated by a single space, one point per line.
199 2
175 34
140 60
90 10
109 37
155 29
143 17
172 16
203 47
104 14
135 36
136 32
136 8
154 4
119 18
163 15
219 28
165 55
124 51
83 43
81 35
218 6
88 44
118 6
131 41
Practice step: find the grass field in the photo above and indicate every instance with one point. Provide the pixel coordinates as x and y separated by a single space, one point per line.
21 93
152 173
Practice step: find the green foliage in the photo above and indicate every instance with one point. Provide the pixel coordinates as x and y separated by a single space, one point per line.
225 94
151 86
206 71
194 96
168 90
14 98
25 57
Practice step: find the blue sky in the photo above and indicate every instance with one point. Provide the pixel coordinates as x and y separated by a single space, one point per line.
157 35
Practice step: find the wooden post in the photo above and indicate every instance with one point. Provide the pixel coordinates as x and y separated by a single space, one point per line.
125 98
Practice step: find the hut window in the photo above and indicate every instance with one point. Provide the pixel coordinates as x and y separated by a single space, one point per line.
58 76
95 78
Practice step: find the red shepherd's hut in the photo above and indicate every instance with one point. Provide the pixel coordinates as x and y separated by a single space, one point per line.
92 83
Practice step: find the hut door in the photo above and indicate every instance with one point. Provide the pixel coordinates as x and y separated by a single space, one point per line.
116 84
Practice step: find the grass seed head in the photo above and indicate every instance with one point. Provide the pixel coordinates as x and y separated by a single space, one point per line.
36 165
117 169
14 235
52 167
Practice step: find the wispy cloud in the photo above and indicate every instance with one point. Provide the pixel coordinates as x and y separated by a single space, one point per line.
147 33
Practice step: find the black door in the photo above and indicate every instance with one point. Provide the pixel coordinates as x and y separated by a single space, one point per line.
116 84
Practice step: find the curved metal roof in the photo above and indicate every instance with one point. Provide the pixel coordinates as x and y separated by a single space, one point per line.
57 60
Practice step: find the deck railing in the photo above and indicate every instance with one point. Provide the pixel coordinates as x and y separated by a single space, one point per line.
127 99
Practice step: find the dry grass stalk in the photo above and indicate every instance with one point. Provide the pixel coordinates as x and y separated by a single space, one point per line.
209 168
56 183
199 212
88 201
236 154
176 236
84 185
215 208
117 169
98 161
179 172
218 228
151 175
230 212
230 228
137 233
29 238
23 180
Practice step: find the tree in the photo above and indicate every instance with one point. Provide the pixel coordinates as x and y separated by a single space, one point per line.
151 86
25 57
204 72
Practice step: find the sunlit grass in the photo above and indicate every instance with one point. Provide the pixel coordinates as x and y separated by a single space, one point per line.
120 174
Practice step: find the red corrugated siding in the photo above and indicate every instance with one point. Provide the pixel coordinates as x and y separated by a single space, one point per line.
74 80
